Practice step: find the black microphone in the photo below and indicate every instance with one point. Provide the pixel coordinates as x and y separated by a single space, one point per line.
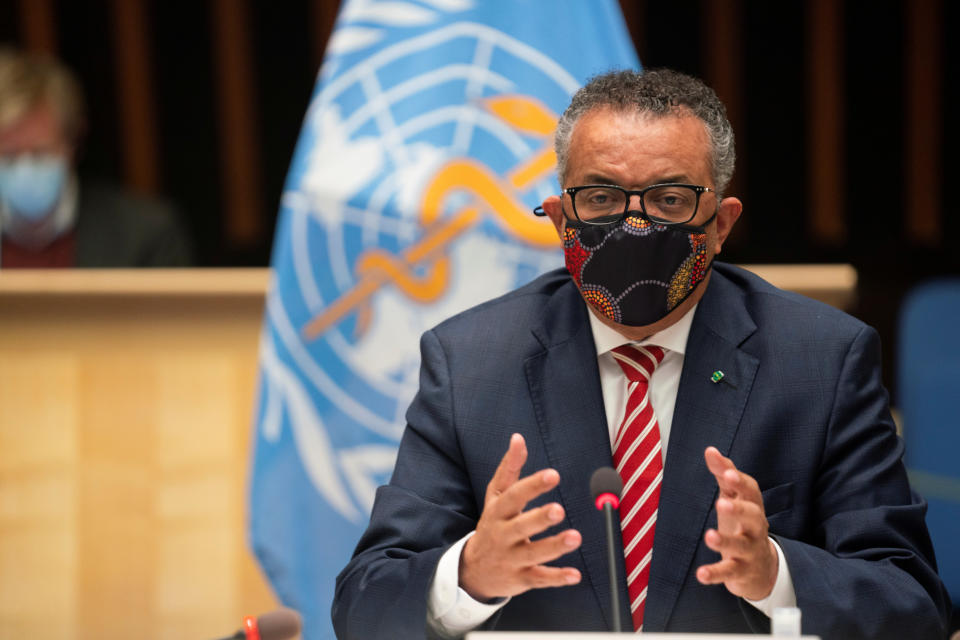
281 624
605 487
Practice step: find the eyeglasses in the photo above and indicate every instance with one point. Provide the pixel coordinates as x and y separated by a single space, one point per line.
601 204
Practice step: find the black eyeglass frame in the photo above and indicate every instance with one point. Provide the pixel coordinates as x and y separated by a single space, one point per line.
615 218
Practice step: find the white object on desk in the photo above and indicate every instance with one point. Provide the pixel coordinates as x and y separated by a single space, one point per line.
785 622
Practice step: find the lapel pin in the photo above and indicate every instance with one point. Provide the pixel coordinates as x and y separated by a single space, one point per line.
720 376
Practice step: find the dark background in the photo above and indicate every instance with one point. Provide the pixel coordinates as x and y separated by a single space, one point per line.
841 111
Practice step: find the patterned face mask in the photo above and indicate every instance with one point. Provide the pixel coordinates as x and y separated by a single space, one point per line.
635 272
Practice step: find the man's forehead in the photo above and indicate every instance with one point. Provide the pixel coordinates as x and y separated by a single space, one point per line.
605 137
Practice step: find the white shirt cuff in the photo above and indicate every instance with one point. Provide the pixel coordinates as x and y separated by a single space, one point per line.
783 594
451 612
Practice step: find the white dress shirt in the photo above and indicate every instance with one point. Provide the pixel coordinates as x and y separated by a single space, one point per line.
451 612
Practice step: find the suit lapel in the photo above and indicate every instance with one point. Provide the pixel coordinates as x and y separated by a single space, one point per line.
707 413
564 385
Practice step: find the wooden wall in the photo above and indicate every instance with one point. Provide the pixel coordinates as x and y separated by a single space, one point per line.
125 415
838 105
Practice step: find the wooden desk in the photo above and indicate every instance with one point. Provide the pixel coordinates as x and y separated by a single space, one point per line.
125 419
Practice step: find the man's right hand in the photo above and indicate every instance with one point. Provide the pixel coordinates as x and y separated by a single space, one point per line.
500 560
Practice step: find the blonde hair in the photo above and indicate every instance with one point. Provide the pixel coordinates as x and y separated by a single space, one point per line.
28 81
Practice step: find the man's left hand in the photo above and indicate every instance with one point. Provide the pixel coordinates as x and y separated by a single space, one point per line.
748 558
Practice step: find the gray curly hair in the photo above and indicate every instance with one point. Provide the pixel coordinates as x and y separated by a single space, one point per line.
658 92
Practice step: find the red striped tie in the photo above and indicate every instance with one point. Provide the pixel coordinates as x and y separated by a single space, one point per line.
636 453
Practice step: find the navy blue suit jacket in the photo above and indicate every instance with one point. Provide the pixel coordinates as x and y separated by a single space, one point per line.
801 408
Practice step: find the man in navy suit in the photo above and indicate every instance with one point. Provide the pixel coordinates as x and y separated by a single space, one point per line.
778 478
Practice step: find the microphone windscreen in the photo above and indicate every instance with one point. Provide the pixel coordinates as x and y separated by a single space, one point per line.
605 480
281 624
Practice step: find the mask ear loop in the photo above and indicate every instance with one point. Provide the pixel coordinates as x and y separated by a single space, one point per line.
571 222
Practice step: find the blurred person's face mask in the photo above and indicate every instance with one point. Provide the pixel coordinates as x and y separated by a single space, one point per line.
31 186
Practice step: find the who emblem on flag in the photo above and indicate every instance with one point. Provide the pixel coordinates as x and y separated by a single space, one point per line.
426 145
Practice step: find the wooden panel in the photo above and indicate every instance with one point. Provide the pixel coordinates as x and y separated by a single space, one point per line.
835 284
124 440
723 64
38 26
38 524
135 93
923 122
239 141
242 284
826 210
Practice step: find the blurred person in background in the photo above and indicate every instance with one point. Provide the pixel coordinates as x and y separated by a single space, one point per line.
47 218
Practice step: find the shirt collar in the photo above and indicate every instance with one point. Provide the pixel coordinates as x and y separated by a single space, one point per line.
673 338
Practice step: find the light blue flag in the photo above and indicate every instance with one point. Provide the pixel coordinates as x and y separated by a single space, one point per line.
426 145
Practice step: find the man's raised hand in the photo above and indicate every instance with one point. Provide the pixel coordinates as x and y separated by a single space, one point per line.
748 560
500 560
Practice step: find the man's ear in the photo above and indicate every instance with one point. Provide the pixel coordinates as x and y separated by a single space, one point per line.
553 207
727 215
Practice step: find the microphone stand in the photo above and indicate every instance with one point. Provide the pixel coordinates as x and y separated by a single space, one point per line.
605 487
612 565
